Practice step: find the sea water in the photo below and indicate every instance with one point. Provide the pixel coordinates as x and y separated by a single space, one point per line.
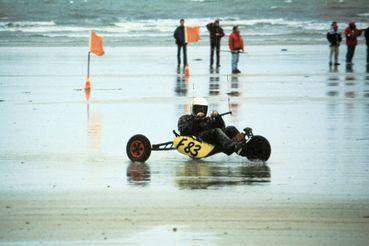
144 22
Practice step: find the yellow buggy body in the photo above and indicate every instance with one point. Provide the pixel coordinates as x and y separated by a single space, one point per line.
192 147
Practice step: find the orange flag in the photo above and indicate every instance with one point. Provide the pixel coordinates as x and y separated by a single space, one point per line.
96 44
192 34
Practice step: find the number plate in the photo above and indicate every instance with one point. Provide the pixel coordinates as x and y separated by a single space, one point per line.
191 147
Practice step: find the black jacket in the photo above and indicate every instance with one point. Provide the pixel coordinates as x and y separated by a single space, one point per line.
189 125
334 38
213 31
179 35
367 36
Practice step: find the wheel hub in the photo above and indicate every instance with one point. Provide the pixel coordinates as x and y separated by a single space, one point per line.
137 148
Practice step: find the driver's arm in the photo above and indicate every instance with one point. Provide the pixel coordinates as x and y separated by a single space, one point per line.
185 125
217 120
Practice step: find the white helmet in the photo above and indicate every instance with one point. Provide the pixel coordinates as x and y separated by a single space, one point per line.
199 104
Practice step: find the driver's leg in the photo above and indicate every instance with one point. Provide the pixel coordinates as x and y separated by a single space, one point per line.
234 134
220 139
231 131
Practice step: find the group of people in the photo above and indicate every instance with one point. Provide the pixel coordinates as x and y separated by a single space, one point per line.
351 33
235 43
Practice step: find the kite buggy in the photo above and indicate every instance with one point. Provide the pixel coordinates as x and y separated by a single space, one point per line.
139 147
202 136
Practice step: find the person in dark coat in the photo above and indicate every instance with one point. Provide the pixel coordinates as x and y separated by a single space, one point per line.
210 129
367 44
334 38
180 37
216 34
351 33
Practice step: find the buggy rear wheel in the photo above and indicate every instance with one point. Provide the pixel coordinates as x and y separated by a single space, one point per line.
258 148
138 148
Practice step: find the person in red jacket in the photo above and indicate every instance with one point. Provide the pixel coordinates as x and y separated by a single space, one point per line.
351 33
235 43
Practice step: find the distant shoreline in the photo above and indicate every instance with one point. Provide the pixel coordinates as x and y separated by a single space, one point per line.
165 45
202 44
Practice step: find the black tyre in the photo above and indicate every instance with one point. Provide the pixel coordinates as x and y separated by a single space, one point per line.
258 148
138 148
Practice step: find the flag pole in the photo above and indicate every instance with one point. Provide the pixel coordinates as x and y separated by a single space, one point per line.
89 55
88 83
88 64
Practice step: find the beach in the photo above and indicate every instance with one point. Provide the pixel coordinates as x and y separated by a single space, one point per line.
65 177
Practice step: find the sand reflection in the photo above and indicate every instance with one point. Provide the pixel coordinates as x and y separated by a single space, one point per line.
203 175
214 82
138 173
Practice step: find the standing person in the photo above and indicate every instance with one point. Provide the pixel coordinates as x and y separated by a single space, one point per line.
216 33
367 44
334 38
180 37
235 43
351 33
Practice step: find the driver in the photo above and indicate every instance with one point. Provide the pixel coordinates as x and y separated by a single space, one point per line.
210 129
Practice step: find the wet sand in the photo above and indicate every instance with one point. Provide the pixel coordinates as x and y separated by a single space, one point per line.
65 178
